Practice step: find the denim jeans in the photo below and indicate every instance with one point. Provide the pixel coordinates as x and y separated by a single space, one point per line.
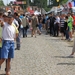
21 32
7 49
24 31
18 42
40 27
56 30
67 34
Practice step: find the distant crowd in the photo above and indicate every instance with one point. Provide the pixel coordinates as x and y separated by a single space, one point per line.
13 26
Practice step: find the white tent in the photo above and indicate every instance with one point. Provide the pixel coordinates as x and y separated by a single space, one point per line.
60 9
43 11
73 9
55 10
36 13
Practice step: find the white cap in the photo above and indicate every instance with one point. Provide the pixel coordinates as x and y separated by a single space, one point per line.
9 11
6 14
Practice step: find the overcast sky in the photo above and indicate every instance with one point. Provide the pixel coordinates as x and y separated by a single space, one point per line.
7 1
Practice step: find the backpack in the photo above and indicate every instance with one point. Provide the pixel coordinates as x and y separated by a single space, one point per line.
19 22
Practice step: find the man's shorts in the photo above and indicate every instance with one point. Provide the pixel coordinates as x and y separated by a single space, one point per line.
7 49
70 29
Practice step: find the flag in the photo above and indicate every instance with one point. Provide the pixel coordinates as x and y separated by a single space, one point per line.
70 5
74 2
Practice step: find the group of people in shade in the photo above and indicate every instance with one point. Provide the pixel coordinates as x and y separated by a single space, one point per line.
64 25
13 26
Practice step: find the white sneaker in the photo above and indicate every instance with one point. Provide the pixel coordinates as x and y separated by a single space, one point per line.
71 40
70 56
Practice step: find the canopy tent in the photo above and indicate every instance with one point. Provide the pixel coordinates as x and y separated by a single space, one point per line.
43 11
55 10
36 13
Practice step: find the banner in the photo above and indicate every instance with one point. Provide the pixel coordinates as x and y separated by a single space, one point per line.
20 2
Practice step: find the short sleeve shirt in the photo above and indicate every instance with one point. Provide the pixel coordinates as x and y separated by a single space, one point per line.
70 22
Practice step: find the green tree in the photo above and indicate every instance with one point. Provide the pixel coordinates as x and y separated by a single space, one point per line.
43 3
1 3
39 3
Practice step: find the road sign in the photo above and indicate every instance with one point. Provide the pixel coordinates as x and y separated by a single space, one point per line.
23 2
20 2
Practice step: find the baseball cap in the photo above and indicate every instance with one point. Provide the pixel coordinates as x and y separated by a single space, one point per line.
10 16
5 14
9 11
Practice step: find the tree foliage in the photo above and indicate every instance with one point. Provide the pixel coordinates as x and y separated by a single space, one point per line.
43 3
1 3
63 1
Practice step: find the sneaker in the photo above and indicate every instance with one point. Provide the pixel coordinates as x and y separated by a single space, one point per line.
17 48
26 35
71 40
5 69
70 56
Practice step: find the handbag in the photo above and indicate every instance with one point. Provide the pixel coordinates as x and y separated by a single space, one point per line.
27 26
37 25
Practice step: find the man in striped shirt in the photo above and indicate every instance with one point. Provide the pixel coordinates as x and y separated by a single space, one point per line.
62 21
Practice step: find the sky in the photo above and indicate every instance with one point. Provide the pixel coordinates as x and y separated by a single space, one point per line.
7 1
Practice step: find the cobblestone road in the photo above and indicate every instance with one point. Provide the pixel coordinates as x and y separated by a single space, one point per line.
43 55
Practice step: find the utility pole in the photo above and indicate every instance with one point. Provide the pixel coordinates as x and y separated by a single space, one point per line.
27 2
58 2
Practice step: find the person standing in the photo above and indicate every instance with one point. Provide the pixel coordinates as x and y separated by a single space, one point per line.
56 26
43 22
9 34
34 22
18 45
70 22
62 21
5 21
73 16
51 25
66 28
25 26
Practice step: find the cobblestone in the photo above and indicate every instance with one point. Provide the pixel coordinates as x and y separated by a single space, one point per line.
43 55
